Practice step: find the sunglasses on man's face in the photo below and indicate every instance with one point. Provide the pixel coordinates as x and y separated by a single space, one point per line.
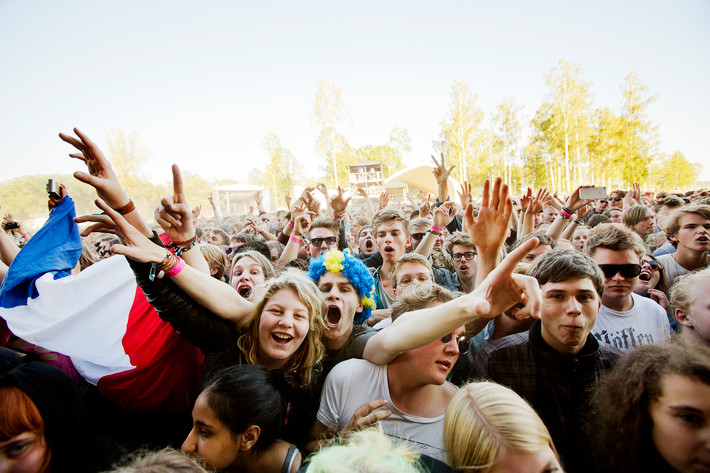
615 199
627 271
330 241
463 342
418 236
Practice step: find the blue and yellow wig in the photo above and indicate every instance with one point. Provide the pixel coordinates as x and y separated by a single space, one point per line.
352 268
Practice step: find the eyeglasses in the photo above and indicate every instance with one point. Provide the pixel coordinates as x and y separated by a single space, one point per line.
463 342
329 241
418 236
468 256
615 199
626 270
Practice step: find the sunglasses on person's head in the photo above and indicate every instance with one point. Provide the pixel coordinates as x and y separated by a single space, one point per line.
468 255
626 270
418 236
330 241
615 199
463 342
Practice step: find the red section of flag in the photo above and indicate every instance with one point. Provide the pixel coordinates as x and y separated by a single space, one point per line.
168 368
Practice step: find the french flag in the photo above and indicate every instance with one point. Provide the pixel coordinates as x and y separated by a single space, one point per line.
100 319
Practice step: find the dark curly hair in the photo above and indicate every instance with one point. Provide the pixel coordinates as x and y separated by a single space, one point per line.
621 423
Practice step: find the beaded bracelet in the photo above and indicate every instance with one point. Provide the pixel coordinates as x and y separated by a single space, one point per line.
129 207
183 246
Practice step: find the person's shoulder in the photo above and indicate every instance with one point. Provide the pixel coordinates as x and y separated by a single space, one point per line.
648 305
502 346
665 258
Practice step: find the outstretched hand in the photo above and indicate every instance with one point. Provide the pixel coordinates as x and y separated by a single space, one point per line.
339 203
384 199
101 175
574 202
441 172
502 288
174 215
367 415
135 245
490 228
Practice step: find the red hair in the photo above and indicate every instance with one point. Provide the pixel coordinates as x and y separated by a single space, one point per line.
18 413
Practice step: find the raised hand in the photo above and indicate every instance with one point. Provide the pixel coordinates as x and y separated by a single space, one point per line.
361 192
425 209
443 215
489 230
174 215
384 200
525 200
633 196
135 245
101 175
539 202
574 202
441 172
502 288
339 203
196 212
287 198
322 189
465 195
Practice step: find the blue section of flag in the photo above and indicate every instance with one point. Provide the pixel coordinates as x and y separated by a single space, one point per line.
55 248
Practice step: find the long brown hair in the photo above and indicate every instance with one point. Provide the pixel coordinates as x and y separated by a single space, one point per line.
621 422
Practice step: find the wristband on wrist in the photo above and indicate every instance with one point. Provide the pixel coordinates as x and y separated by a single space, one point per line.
183 246
579 222
566 212
436 229
296 239
336 216
129 207
26 236
290 224
178 267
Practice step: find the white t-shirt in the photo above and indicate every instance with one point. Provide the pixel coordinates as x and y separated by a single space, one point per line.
644 324
672 268
354 382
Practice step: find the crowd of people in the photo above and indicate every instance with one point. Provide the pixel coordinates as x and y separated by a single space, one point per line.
532 333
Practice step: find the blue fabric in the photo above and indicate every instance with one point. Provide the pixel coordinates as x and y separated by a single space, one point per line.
55 248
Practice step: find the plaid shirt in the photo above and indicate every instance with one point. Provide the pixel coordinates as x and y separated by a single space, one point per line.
555 384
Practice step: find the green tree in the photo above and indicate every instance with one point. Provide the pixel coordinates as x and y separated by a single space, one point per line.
675 172
25 197
606 147
566 122
641 134
460 134
282 171
506 130
328 113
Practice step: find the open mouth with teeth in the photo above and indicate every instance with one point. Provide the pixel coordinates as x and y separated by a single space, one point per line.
332 317
244 291
645 276
281 338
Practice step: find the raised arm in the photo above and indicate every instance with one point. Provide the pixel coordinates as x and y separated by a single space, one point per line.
442 217
442 173
498 292
175 218
568 214
102 178
489 229
217 296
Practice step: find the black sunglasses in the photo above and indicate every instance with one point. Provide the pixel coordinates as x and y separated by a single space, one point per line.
330 241
463 342
627 270
615 199
418 236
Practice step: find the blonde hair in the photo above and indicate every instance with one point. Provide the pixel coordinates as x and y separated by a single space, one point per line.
365 451
408 258
166 460
265 264
384 216
483 420
683 292
216 258
614 237
307 357
420 298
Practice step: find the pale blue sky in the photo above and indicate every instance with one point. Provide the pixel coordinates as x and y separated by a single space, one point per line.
202 83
